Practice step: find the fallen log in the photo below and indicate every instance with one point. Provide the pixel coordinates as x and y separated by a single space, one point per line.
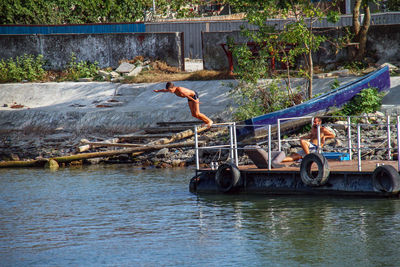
169 123
155 145
102 154
89 145
175 137
23 163
97 144
82 156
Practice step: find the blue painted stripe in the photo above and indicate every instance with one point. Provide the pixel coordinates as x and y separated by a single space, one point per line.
83 28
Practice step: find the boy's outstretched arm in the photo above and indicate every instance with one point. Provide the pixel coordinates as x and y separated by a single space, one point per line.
161 90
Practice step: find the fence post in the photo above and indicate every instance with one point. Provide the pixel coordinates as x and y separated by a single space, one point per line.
319 150
231 143
349 137
388 137
269 147
196 146
398 143
359 146
235 144
279 135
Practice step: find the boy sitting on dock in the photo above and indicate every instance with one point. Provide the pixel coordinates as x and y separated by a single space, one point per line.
311 145
193 101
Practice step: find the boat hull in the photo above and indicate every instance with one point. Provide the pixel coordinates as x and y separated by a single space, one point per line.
379 79
276 182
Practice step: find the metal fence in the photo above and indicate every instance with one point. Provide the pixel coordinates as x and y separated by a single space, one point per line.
192 29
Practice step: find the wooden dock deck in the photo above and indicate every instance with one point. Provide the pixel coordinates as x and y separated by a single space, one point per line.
334 166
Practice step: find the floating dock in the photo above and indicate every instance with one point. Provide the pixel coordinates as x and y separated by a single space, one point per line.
343 179
320 173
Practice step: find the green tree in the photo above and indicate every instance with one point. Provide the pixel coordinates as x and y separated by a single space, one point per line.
298 34
87 11
393 5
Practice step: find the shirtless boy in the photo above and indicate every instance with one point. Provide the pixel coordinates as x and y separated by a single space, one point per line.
193 101
311 145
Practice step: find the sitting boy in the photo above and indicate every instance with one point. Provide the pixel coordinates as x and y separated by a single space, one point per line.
311 145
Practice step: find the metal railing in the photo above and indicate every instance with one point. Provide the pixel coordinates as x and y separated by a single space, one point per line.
233 144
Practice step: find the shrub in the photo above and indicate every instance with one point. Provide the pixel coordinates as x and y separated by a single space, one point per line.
82 69
26 67
258 99
368 100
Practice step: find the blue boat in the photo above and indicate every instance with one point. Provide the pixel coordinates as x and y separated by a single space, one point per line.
379 79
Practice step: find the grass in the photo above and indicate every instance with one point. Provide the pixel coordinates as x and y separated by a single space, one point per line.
158 72
152 76
161 72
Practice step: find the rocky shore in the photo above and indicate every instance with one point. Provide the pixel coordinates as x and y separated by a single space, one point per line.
52 119
23 146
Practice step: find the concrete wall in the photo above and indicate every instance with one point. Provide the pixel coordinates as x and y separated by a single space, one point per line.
383 46
107 49
214 56
384 43
193 28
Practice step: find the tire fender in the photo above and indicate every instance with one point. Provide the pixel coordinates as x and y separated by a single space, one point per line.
193 183
385 178
227 177
323 170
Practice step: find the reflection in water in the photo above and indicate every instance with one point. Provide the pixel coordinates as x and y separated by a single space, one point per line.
116 215
316 230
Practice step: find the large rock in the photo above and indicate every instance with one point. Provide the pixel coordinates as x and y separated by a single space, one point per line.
136 71
125 67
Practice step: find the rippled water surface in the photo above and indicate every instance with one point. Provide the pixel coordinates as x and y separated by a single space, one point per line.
119 216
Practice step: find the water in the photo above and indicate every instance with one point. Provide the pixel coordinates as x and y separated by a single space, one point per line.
120 216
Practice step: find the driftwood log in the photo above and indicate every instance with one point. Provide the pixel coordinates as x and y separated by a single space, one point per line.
82 156
134 151
110 153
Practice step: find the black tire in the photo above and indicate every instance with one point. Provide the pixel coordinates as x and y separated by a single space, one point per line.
385 178
323 170
227 177
193 184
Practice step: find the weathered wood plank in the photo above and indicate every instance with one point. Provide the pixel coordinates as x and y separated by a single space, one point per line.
168 123
175 129
127 138
102 144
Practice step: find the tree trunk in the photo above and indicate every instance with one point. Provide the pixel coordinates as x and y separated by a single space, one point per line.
311 73
356 16
362 39
310 63
360 32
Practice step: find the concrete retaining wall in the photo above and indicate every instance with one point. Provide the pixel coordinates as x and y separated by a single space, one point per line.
86 107
106 49
383 46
